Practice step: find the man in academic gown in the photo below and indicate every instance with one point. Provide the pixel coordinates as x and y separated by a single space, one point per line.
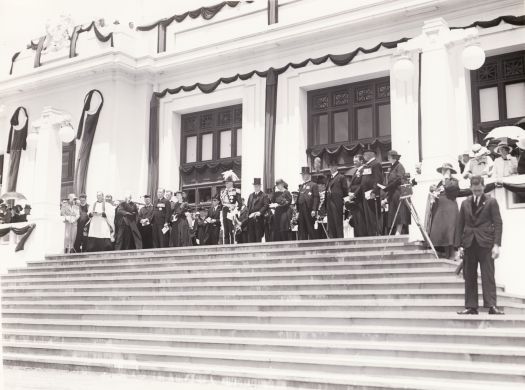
161 216
258 203
80 241
336 190
213 222
128 236
145 217
168 196
355 203
368 192
307 206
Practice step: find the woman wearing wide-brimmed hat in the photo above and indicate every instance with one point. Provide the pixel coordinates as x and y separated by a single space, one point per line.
505 165
480 163
398 212
444 212
281 202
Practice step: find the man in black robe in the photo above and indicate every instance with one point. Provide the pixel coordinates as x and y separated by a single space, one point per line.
161 216
307 206
258 203
145 217
128 236
336 190
213 222
368 192
355 203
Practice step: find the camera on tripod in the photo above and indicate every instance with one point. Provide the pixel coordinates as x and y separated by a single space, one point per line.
407 188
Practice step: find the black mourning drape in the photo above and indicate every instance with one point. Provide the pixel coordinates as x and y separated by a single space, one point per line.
153 145
86 130
269 129
79 30
24 231
17 141
13 59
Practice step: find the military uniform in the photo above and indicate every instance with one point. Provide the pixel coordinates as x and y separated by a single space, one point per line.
307 201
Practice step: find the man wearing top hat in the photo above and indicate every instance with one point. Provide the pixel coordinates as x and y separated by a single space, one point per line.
504 165
145 217
258 203
160 221
229 198
212 222
307 206
336 190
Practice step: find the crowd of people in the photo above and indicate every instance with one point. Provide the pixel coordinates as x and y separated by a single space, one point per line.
13 214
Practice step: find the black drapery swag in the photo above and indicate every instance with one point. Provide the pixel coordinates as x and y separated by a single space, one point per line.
86 131
22 231
153 145
269 129
13 59
79 30
16 142
211 166
337 59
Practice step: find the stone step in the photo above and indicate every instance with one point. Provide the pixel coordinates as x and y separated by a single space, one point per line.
234 276
242 379
252 247
295 260
269 285
447 351
383 305
166 269
483 335
326 363
355 252
402 319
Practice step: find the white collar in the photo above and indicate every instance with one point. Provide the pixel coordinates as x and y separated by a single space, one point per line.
372 159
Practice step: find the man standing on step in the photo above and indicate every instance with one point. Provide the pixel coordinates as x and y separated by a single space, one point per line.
368 192
479 237
336 190
258 204
159 223
307 206
128 235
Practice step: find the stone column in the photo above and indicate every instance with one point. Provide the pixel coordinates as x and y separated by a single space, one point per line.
49 232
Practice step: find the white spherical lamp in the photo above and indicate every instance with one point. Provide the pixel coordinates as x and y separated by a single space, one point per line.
66 133
403 69
473 57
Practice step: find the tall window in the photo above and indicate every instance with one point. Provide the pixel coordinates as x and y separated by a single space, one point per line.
211 143
498 93
68 168
348 115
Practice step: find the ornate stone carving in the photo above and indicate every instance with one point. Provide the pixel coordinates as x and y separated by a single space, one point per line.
58 33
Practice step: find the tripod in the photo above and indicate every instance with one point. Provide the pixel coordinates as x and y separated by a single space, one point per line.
407 200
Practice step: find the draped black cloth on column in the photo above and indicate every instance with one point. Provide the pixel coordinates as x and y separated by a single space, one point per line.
79 30
13 59
17 141
153 145
269 129
86 131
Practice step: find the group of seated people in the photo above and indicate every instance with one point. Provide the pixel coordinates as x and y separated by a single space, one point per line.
13 214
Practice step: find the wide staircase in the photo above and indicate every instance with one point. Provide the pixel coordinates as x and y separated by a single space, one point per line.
371 313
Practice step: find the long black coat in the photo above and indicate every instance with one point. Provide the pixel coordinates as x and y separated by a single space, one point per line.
372 174
282 216
336 190
394 179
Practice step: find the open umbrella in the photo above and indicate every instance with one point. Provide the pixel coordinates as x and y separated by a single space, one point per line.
13 196
511 132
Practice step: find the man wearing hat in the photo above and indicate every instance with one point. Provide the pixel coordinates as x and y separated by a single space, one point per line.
145 217
160 221
70 213
336 190
5 215
213 222
504 165
83 207
258 203
480 163
307 206
229 199
368 191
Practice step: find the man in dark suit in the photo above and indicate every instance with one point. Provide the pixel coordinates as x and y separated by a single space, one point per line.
307 206
258 204
336 190
160 220
368 191
213 222
479 236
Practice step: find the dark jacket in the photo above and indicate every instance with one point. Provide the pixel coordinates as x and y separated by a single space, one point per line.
259 202
162 212
337 187
371 175
214 214
484 225
308 196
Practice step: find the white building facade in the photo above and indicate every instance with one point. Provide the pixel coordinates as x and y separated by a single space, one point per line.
430 116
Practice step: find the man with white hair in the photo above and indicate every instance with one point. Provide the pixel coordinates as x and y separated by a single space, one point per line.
128 235
101 225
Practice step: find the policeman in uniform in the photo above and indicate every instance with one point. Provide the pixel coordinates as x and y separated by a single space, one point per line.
307 205
160 219
229 198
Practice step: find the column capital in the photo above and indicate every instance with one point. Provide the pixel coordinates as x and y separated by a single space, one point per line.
50 117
